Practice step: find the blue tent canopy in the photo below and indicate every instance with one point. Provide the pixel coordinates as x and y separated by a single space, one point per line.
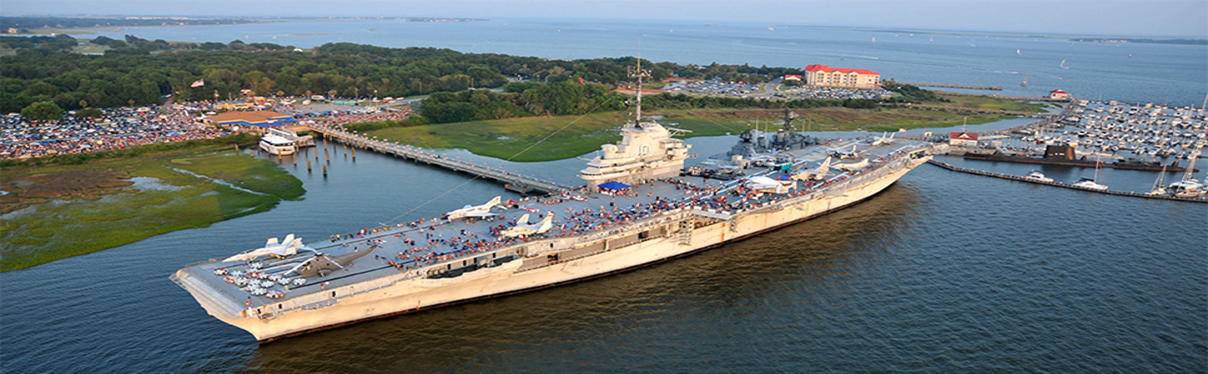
614 185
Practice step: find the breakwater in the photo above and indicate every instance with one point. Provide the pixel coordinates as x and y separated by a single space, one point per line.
948 166
943 85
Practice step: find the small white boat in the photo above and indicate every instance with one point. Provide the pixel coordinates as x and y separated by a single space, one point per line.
1092 183
1036 175
1089 183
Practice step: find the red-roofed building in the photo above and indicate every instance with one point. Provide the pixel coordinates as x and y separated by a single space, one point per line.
822 75
963 139
792 77
1058 95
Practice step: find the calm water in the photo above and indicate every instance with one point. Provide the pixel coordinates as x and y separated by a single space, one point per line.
942 272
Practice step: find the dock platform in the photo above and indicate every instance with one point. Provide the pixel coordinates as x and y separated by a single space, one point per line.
948 166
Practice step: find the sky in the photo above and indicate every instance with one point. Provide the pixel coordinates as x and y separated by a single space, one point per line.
1108 17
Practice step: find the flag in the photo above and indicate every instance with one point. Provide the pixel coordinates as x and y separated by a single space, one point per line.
198 83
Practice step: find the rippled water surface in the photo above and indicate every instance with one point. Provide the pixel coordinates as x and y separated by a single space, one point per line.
941 272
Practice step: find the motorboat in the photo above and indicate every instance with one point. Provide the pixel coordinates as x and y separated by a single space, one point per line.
1037 176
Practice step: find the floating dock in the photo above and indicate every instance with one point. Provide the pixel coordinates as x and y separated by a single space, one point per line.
511 181
948 166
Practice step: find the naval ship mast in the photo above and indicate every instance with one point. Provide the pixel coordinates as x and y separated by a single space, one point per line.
639 74
646 151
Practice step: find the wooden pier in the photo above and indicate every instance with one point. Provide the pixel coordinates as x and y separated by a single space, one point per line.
967 87
948 166
511 181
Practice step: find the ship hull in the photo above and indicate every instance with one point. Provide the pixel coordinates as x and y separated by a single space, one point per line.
1083 163
532 273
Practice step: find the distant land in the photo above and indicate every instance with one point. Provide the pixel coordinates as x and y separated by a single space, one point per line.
23 25
1148 41
1075 38
45 25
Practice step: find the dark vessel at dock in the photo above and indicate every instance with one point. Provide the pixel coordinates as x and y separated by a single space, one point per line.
1064 155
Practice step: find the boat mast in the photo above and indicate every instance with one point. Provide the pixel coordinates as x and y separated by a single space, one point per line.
1190 175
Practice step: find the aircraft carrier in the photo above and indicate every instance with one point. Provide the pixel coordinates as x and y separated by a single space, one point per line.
637 208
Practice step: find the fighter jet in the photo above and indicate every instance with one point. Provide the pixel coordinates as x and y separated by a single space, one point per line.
886 139
322 264
863 163
846 155
272 248
524 228
816 174
765 184
470 211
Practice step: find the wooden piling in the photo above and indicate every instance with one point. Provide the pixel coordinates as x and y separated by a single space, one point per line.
308 164
324 170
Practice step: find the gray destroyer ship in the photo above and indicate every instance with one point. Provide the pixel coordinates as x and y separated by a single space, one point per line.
636 208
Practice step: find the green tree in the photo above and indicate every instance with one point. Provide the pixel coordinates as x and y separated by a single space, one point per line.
44 110
89 112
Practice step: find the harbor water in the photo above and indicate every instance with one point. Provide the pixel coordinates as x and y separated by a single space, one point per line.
941 272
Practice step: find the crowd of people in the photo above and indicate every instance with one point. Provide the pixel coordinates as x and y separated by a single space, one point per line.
335 119
121 128
433 247
116 129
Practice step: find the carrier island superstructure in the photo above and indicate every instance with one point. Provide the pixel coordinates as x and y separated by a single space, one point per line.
635 209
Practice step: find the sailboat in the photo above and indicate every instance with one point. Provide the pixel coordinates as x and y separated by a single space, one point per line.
1092 184
1025 81
1018 53
874 39
1189 186
1158 187
1063 64
932 38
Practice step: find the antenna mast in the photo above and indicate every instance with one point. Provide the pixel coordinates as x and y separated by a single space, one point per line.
639 74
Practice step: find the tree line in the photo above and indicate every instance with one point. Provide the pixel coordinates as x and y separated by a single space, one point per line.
142 72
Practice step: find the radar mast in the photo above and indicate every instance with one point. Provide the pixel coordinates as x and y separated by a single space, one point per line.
639 74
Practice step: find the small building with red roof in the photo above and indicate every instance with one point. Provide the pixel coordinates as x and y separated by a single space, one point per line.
1058 95
792 77
822 75
963 139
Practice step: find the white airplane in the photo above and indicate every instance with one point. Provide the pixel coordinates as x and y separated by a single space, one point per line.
288 247
863 163
816 174
847 155
470 211
525 228
765 184
884 140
